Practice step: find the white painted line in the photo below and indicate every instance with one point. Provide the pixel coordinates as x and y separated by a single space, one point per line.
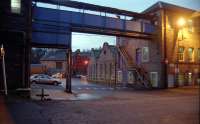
87 88
103 88
79 88
118 88
111 88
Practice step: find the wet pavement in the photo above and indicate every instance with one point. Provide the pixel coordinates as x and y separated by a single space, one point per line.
81 90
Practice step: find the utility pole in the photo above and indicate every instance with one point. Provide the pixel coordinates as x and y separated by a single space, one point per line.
4 70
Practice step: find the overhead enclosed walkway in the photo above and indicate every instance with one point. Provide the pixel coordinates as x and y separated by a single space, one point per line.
54 20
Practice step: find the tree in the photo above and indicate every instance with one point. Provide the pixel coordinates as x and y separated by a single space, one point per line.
37 54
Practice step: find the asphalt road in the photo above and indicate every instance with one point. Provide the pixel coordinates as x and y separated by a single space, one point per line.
172 106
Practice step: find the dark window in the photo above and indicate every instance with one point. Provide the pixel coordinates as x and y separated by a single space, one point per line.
104 52
58 65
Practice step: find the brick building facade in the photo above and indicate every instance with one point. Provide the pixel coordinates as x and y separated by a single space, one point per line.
55 61
80 62
101 66
172 57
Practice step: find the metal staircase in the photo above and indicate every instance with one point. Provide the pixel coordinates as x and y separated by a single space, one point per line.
142 78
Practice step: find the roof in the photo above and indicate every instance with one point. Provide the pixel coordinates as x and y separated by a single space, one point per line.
163 5
95 53
196 15
58 55
83 53
113 49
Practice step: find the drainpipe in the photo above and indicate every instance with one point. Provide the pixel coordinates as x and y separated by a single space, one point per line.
4 70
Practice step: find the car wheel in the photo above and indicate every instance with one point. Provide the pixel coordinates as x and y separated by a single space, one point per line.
34 82
55 83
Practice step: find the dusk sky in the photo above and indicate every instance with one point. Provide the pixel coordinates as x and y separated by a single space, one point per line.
87 41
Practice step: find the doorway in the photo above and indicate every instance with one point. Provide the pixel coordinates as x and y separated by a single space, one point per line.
138 56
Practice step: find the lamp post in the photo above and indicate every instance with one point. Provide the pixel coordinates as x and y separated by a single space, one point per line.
180 23
86 66
4 70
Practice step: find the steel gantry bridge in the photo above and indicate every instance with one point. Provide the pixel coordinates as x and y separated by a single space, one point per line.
52 26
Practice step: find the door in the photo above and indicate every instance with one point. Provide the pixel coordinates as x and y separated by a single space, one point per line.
154 79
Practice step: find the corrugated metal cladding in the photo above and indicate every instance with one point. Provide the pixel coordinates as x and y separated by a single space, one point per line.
51 26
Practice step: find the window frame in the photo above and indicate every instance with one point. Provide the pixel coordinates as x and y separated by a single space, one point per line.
143 54
190 57
155 84
59 67
190 26
198 55
181 54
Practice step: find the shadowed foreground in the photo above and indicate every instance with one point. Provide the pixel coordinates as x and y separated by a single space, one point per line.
172 106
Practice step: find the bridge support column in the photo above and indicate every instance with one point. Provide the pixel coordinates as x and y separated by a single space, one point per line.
68 71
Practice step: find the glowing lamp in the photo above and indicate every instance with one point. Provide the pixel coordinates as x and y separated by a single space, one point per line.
181 22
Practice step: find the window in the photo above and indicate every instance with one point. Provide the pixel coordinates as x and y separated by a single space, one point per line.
190 54
154 79
101 71
16 6
105 70
190 26
181 53
145 54
104 52
58 65
198 54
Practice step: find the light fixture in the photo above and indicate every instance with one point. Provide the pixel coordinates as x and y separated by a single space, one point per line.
181 22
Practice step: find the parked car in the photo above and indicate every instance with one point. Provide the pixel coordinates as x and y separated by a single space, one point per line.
77 76
45 79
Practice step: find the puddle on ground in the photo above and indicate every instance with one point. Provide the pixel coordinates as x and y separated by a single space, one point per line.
86 96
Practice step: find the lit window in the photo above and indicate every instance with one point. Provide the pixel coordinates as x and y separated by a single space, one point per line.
190 54
198 52
145 54
16 6
181 53
190 26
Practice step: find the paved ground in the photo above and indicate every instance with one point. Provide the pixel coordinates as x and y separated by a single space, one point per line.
82 90
172 106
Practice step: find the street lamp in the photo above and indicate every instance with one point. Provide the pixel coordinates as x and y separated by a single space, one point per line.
181 22
86 62
86 65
